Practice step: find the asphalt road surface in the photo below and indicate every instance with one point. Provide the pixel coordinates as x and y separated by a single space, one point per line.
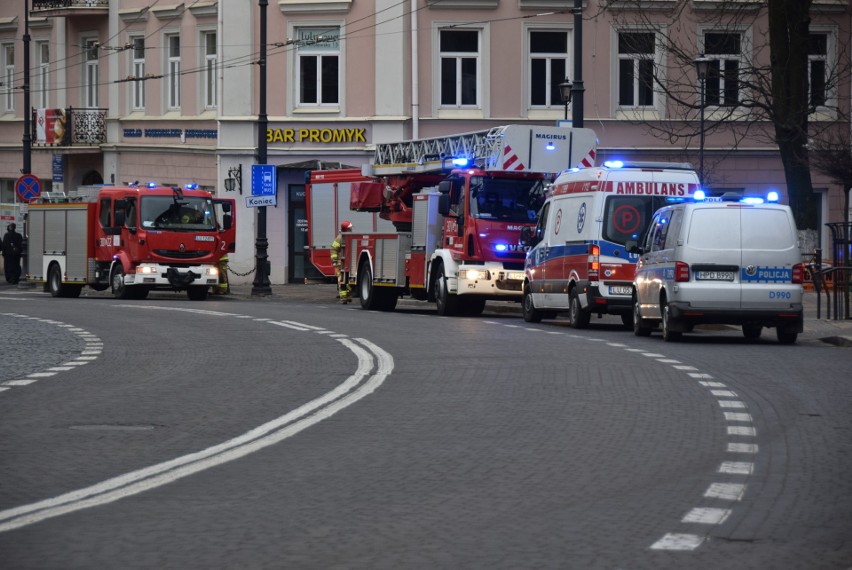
239 434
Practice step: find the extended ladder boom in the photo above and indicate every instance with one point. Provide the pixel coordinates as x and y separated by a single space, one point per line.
506 148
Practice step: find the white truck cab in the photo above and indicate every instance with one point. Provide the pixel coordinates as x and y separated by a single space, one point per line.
726 260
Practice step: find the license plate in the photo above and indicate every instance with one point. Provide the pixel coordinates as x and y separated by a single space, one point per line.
620 291
516 275
714 275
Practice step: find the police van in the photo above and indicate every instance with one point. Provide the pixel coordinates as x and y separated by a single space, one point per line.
577 262
727 260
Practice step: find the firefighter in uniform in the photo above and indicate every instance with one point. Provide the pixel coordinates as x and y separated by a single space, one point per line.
222 287
338 254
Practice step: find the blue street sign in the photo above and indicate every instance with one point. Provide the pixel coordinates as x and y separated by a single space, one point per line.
28 187
263 182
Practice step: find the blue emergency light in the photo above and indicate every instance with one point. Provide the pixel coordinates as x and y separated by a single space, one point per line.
501 247
461 161
151 185
614 164
191 186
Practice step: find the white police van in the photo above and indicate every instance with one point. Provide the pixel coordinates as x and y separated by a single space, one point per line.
727 260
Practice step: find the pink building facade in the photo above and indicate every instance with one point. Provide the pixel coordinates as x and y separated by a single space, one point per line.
170 92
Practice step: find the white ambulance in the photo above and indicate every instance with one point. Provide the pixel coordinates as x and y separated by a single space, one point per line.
577 262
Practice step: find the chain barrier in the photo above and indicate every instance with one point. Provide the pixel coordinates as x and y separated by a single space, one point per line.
249 272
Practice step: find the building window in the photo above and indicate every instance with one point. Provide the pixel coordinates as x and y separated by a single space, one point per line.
9 77
137 61
173 71
92 73
318 61
817 70
42 76
548 67
210 85
636 69
724 49
460 68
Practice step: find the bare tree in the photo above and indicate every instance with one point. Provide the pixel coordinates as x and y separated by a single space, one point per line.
766 95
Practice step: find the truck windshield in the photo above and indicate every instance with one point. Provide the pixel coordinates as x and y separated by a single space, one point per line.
627 217
173 213
506 199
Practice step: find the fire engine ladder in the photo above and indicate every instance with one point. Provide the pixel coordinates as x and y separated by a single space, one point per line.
429 155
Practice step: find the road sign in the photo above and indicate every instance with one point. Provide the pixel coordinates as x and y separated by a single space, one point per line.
263 181
28 187
255 201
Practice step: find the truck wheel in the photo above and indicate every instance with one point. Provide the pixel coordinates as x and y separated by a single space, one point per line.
54 281
116 279
578 316
448 305
197 292
374 298
640 326
473 307
668 334
531 314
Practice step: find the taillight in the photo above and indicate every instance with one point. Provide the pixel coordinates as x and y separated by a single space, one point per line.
594 262
799 273
681 271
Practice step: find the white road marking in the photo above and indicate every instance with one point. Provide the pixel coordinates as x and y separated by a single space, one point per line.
711 384
737 467
742 448
685 367
742 430
731 404
707 515
738 417
699 375
361 384
674 541
724 393
726 491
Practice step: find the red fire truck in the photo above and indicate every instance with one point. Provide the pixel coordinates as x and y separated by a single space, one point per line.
457 205
132 239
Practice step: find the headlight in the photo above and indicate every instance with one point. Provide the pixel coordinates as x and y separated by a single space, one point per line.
474 274
212 271
146 270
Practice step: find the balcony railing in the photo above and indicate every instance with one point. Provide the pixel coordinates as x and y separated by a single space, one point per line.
68 127
69 7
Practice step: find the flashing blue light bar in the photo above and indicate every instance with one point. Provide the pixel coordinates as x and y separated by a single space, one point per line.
752 200
772 196
461 161
699 195
614 164
550 145
191 186
151 185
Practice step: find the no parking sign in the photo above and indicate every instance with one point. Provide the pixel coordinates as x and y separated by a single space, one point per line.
28 187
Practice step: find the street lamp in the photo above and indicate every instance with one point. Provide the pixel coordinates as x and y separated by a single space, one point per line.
702 66
261 285
565 93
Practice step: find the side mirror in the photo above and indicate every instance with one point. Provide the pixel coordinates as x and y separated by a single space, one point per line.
528 237
444 187
226 207
226 221
444 204
632 246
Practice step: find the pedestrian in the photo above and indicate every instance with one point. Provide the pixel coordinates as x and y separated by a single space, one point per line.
338 255
12 248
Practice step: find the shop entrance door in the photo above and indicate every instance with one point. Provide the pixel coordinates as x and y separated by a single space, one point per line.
299 262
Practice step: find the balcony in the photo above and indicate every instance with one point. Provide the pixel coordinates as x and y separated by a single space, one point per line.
78 128
58 8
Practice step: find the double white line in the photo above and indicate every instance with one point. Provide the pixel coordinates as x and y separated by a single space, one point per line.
374 366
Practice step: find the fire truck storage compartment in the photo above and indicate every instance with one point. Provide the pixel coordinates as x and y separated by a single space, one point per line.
329 208
427 225
388 259
49 229
366 196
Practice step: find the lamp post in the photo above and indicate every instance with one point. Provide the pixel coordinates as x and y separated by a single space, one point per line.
577 89
702 66
565 93
261 285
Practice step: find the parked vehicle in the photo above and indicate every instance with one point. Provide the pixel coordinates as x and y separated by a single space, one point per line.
732 261
577 263
457 205
132 239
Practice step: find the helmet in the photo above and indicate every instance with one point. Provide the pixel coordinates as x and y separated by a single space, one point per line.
346 226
